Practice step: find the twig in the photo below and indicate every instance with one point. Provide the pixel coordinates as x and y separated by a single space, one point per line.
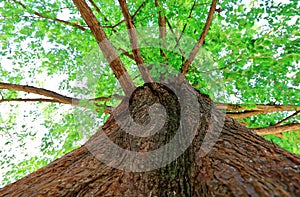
124 52
187 63
285 119
98 10
185 25
53 19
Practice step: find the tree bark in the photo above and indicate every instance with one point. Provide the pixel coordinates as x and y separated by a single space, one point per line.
240 163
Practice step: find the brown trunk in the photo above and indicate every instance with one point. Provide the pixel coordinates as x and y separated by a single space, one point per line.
239 164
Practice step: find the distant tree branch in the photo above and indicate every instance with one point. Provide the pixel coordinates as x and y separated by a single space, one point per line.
277 129
106 46
187 63
50 18
134 42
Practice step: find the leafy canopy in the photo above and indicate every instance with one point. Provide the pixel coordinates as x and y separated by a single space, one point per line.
250 56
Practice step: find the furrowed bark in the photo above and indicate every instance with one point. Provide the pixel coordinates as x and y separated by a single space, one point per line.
240 163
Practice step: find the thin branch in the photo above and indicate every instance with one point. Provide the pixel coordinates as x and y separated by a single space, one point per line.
277 129
134 42
139 8
289 117
187 63
53 19
176 39
30 100
257 107
122 21
236 111
162 27
185 25
124 52
107 109
106 46
98 10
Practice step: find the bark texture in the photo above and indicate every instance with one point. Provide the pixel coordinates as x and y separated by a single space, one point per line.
240 163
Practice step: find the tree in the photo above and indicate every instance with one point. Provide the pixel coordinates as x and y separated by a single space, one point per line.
213 154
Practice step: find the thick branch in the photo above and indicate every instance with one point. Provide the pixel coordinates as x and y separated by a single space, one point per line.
56 98
187 63
53 19
41 91
106 47
277 129
134 42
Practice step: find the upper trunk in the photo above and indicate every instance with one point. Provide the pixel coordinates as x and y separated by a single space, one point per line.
224 158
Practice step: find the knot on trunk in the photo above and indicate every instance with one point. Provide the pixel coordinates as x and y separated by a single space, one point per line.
155 110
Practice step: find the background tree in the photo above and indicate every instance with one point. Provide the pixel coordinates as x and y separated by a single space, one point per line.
250 48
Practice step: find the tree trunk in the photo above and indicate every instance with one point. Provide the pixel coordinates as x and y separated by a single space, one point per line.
223 159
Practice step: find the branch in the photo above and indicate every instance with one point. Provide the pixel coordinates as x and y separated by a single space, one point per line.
98 10
30 89
107 48
124 52
30 100
134 42
236 111
176 39
53 19
282 121
162 27
258 107
56 97
187 63
185 25
277 129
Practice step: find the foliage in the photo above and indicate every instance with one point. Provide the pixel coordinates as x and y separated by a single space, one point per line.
250 56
